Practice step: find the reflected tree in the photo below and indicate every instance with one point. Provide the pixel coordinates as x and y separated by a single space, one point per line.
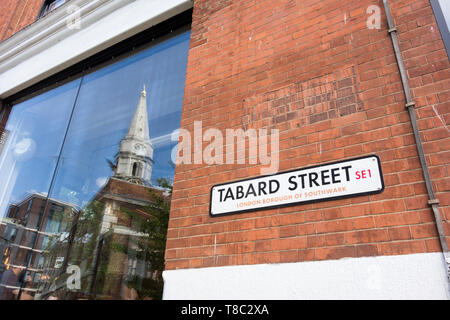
148 246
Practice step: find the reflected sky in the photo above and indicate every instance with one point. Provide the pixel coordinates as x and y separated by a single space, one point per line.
102 114
445 5
36 131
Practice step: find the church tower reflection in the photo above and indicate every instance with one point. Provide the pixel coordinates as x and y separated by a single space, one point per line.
42 237
135 158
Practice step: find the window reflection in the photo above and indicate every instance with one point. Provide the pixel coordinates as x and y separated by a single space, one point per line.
50 5
86 210
36 130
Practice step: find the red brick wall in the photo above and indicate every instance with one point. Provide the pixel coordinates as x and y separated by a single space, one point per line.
331 86
17 14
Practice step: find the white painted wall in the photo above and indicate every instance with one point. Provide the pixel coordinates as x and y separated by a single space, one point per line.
417 276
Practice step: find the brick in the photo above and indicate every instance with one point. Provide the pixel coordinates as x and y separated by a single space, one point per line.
291 243
363 223
335 253
263 245
334 239
315 241
289 256
400 233
416 203
402 247
367 250
305 229
288 231
334 226
263 234
433 245
388 220
366 236
424 231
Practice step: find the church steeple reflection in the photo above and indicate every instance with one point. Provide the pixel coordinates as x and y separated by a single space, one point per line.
134 161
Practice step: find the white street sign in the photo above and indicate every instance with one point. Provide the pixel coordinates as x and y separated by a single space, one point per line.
350 178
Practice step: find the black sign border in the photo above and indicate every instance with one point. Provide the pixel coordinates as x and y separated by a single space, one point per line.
300 202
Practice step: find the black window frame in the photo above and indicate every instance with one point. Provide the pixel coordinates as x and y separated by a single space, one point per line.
442 24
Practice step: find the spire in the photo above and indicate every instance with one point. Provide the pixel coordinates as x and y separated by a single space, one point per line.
134 160
139 125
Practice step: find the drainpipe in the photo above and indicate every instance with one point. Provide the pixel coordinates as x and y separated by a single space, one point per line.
433 202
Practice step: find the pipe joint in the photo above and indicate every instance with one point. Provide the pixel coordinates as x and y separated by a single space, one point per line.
410 104
394 29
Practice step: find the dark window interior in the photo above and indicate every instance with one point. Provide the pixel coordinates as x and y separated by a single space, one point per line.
50 5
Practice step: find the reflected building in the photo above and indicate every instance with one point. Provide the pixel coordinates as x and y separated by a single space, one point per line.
41 238
29 227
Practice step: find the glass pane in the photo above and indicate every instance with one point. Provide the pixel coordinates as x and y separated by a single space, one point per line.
118 145
445 6
35 133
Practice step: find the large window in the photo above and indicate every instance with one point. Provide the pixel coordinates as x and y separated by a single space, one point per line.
81 172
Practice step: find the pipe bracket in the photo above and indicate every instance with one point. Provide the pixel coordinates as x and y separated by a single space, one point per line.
410 104
394 29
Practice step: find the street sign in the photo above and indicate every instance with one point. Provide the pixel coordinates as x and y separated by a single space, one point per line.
337 180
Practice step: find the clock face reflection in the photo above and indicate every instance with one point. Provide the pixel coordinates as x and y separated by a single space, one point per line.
23 146
24 149
140 149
